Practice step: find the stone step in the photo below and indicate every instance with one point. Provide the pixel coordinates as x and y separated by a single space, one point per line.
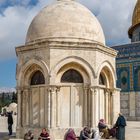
15 139
59 139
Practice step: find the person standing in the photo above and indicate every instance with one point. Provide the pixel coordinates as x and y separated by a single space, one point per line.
10 123
120 125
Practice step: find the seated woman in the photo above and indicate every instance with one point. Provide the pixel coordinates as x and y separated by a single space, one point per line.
85 134
70 135
29 135
44 134
103 128
95 134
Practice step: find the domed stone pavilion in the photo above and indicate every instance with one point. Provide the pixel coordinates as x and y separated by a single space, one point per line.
66 75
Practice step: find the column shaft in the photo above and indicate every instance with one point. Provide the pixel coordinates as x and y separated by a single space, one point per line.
19 109
93 107
49 109
106 107
85 111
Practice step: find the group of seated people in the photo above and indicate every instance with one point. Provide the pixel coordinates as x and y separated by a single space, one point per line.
95 134
44 135
85 134
106 131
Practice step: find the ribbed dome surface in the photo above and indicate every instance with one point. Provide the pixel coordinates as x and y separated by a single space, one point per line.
135 18
136 14
65 19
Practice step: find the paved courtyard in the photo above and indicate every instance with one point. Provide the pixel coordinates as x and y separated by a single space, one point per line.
132 132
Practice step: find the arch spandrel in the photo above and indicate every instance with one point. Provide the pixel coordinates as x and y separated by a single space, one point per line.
26 68
75 66
109 72
71 60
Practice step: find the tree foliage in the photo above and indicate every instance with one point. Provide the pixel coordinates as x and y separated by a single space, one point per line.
7 98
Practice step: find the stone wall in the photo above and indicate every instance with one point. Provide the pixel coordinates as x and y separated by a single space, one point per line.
130 105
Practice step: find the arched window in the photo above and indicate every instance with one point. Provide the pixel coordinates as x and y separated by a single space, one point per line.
37 78
102 80
124 80
137 78
72 76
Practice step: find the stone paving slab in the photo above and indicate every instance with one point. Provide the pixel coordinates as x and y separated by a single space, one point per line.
5 136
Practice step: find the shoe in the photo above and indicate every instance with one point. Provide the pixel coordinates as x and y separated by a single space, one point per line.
10 134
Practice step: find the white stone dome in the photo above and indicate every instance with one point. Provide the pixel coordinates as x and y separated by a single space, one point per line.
65 20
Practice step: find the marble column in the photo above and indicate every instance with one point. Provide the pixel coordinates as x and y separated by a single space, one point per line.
115 104
57 107
89 108
46 106
85 109
113 107
26 97
31 108
19 92
96 92
107 106
23 106
93 107
53 106
49 107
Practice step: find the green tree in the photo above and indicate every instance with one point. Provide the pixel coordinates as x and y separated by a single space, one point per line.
2 98
14 97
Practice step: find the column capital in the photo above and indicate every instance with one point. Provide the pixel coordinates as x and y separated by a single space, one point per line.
86 87
94 90
53 89
107 90
115 91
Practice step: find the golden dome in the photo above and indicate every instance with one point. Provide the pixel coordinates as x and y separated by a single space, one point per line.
135 18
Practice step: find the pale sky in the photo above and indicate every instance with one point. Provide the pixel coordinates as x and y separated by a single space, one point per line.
16 15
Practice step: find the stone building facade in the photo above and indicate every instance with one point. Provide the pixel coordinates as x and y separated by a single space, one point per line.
66 76
128 69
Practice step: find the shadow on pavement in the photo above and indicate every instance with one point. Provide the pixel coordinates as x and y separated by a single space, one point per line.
5 136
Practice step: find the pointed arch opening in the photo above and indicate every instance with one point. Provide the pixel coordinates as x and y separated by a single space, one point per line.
102 79
72 76
37 78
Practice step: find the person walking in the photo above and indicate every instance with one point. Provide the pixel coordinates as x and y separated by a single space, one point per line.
120 125
10 123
